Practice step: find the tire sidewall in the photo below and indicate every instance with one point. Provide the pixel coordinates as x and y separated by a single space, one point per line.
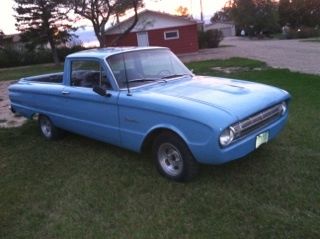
189 165
55 133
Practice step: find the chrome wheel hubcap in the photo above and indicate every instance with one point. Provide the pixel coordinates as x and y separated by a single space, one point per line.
46 127
170 159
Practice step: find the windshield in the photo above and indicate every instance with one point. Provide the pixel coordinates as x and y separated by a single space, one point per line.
142 67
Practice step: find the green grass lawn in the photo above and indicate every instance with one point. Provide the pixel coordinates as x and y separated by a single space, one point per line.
81 188
24 71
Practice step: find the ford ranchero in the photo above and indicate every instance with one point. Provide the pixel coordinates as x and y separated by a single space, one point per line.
142 98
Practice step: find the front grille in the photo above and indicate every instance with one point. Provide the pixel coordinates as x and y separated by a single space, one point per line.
257 121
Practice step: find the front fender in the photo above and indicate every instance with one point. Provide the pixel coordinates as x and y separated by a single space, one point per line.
137 124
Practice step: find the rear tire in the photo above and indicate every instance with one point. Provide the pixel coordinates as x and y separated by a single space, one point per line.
47 128
173 159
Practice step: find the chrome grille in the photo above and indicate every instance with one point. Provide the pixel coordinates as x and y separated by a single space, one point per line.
257 121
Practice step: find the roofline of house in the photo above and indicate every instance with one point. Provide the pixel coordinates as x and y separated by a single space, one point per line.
192 21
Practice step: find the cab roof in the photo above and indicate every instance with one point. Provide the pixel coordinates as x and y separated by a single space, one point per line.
102 53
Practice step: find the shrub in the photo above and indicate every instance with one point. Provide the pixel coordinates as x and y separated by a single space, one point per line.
303 32
214 37
210 38
202 40
64 51
11 56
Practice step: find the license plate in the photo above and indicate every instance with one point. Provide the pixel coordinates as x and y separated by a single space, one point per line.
262 139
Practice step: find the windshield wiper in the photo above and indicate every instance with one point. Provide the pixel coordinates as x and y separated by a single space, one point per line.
174 76
142 79
146 79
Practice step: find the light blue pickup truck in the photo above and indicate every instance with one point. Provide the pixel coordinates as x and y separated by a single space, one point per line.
145 98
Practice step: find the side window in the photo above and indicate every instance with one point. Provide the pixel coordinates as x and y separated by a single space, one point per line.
88 73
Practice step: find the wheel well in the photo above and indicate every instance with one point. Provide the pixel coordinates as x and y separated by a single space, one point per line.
148 141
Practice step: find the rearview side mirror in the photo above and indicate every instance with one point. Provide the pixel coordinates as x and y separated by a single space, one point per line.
101 91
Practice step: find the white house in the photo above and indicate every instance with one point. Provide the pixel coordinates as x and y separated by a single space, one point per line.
228 28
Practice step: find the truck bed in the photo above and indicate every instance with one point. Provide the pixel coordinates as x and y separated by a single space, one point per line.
47 78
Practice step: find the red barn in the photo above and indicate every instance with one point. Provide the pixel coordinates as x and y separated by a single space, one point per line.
157 29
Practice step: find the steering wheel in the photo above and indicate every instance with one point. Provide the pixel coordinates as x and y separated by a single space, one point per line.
164 73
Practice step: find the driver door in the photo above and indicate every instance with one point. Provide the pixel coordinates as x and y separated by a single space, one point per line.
86 112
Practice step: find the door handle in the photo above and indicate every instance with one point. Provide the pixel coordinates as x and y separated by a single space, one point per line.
65 92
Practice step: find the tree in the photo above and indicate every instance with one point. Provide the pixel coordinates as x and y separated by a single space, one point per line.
123 5
182 11
1 35
255 16
299 13
285 12
42 22
221 16
312 13
1 38
99 13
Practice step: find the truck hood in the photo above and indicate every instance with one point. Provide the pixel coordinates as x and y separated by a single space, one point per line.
236 97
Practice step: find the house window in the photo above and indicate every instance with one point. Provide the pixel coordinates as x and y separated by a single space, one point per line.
170 35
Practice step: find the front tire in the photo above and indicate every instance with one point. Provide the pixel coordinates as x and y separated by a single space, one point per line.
173 159
47 128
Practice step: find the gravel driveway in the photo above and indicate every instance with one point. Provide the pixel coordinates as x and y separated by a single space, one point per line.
295 55
7 118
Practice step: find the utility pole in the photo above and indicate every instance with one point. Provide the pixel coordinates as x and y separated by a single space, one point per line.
201 16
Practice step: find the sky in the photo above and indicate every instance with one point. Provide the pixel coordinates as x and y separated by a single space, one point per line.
7 20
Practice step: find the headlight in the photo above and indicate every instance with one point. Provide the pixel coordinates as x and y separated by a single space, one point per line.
227 136
283 108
